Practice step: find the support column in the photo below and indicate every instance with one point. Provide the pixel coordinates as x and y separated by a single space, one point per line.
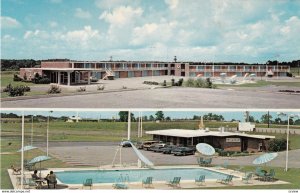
69 78
58 78
89 77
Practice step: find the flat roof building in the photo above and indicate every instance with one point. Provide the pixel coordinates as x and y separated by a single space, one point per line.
229 141
70 72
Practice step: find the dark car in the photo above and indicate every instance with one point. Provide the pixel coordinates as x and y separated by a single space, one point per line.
125 144
183 151
156 147
168 149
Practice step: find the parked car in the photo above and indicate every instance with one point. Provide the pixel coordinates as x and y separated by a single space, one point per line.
125 144
156 146
147 144
183 151
168 149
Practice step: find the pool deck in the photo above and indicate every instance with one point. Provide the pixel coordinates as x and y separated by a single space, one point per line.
160 185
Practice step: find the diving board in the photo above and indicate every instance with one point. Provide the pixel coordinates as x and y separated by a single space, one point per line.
141 156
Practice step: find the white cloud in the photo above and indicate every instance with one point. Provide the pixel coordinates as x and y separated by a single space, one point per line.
53 24
111 4
172 3
7 38
79 13
121 15
36 34
8 22
84 36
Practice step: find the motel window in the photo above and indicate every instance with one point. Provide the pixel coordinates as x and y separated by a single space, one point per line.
148 65
247 67
144 73
217 67
192 74
232 67
207 74
117 74
200 68
156 72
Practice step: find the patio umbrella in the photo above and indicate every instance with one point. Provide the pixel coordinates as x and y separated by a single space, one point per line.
205 149
27 148
265 158
39 159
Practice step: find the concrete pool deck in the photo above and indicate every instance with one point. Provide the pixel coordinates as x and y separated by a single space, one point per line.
160 185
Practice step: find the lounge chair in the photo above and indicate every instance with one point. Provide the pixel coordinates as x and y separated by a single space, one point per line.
29 182
200 180
119 186
147 182
227 180
16 171
88 182
175 183
247 177
270 176
29 166
260 173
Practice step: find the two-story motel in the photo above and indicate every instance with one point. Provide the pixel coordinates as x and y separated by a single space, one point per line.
71 72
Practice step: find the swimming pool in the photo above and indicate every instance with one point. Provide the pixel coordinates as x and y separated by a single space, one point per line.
135 175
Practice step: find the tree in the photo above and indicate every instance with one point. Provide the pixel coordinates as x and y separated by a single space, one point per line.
168 119
278 121
151 118
124 116
264 118
251 119
159 115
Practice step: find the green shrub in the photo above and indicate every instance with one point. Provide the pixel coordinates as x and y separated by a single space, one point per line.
200 83
17 78
7 88
54 89
43 81
180 82
276 145
208 83
173 82
165 83
189 82
16 91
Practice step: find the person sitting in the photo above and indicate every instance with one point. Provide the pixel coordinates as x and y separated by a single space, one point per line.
16 171
51 179
35 176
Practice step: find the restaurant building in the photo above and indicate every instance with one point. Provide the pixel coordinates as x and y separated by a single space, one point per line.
228 141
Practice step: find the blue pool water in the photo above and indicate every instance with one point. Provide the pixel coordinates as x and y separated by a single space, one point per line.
137 175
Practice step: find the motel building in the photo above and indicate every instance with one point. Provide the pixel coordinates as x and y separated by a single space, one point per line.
71 72
228 141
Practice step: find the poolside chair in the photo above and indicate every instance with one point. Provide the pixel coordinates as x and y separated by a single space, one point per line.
227 180
175 183
247 177
270 176
147 182
200 180
119 186
88 182
29 182
260 173
16 171
29 166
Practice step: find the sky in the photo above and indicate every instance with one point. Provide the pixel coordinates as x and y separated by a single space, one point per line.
173 114
252 31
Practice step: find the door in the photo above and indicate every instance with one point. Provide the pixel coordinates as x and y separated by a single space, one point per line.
244 144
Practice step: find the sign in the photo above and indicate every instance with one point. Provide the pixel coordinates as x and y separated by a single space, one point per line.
233 140
178 65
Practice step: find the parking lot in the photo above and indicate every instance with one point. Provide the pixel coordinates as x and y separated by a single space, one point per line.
103 153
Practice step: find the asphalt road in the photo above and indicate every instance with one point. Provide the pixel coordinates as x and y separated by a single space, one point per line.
97 154
166 98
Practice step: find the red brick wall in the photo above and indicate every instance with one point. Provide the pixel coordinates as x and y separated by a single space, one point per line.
138 74
58 64
30 72
123 74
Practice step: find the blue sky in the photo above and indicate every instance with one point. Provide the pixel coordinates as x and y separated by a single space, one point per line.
108 114
204 30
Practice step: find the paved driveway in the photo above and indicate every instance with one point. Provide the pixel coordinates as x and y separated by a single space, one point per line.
166 98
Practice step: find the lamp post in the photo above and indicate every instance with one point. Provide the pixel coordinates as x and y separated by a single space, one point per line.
48 133
287 136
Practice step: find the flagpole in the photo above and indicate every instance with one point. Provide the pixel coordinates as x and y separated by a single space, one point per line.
22 153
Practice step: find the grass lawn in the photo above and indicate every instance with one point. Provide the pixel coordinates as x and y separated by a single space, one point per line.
7 77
